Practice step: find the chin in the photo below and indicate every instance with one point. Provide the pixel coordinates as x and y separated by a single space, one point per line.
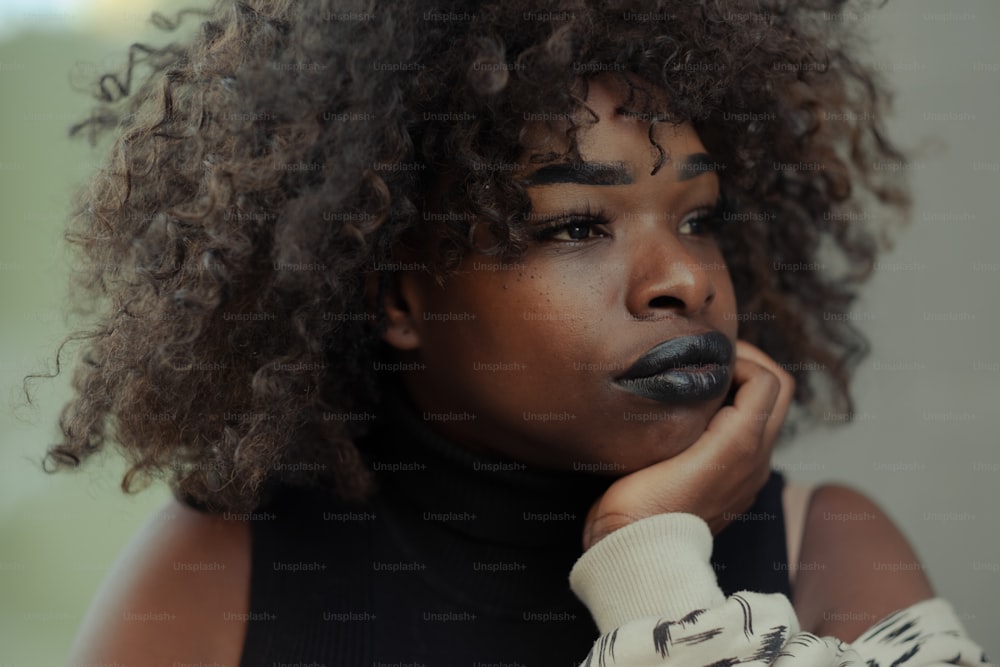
656 445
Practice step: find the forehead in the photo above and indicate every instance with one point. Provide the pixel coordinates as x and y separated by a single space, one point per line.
624 124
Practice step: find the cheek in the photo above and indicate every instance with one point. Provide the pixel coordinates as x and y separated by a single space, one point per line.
726 306
478 315
529 319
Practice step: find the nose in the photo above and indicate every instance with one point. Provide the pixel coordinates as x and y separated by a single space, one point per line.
666 277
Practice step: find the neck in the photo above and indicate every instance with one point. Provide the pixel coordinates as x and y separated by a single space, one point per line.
501 535
511 501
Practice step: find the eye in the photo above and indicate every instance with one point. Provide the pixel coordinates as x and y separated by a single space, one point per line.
705 221
699 226
574 226
575 230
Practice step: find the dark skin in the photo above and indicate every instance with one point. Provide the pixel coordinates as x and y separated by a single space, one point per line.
606 293
633 286
600 293
602 300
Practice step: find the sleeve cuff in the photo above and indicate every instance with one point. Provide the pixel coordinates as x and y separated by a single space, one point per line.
657 566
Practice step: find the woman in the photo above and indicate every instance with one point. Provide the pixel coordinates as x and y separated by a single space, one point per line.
425 309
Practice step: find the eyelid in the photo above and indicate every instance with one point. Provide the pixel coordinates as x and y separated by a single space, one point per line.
698 213
713 218
557 225
712 210
548 226
586 212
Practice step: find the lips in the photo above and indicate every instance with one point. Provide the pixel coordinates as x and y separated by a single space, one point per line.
682 370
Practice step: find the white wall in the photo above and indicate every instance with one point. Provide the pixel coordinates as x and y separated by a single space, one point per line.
926 445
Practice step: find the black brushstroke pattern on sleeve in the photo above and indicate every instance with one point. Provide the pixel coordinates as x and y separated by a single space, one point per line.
887 622
771 645
906 656
725 662
898 631
699 637
661 638
747 615
602 650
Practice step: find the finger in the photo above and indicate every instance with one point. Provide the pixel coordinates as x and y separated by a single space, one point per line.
785 395
736 435
757 392
733 438
720 473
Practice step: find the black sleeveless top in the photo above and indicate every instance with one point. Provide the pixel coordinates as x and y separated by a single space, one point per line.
456 560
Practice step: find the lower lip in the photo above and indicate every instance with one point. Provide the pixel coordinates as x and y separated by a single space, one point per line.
681 386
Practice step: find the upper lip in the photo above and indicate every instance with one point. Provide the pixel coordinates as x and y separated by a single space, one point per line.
702 349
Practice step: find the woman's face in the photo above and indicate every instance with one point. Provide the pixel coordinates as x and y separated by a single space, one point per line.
523 360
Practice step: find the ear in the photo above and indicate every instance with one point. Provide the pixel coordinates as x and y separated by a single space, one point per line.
399 300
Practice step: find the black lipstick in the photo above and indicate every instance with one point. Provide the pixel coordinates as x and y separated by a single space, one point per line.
682 370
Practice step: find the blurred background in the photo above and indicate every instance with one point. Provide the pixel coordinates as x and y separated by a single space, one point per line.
924 442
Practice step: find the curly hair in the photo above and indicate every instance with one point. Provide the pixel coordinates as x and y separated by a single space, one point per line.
262 168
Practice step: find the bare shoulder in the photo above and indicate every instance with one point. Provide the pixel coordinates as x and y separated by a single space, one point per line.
176 594
856 566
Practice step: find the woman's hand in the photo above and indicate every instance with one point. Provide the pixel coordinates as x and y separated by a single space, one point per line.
719 476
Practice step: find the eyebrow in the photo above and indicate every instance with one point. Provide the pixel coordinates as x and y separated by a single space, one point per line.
613 173
581 173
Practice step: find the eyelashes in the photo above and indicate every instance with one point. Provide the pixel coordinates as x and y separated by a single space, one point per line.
578 225
586 218
713 221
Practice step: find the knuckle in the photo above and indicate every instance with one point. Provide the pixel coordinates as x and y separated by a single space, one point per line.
786 379
771 382
746 449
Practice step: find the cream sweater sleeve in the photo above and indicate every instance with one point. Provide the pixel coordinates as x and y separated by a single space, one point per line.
652 592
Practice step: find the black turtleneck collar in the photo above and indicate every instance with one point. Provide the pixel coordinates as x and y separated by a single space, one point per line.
499 536
499 501
449 536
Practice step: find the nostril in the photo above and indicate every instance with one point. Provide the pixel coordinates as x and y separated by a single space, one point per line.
665 301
